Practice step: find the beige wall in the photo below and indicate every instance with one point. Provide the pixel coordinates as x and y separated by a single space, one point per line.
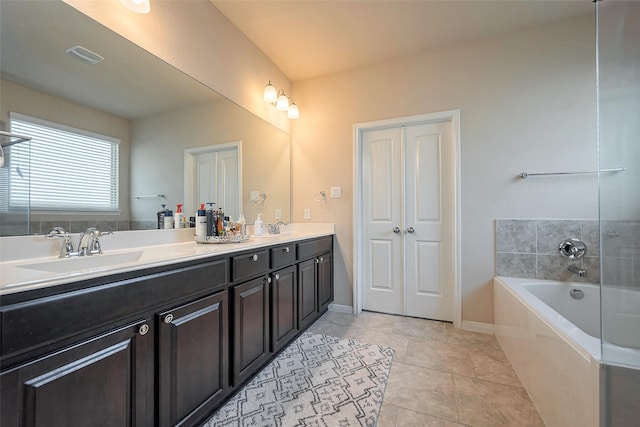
527 103
19 99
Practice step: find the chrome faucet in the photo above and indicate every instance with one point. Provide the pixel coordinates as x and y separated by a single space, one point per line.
581 272
90 243
275 228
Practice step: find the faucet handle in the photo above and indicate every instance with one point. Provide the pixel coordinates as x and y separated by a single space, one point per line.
67 248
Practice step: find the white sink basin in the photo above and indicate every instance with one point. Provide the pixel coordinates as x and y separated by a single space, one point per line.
67 265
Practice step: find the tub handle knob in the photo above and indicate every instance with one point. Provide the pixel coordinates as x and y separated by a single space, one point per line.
572 248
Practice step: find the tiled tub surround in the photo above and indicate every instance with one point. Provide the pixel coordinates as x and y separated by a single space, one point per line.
528 248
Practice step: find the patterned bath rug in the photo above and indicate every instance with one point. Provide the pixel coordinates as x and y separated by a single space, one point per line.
318 380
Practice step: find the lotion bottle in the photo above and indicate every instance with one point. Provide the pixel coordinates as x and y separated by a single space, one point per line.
201 221
168 219
257 226
179 217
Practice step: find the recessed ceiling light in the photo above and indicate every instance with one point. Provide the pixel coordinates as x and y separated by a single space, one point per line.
83 54
139 6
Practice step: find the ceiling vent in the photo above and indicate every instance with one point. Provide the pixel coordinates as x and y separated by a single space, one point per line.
83 54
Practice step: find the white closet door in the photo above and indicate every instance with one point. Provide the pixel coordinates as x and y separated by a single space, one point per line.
428 237
382 212
217 180
408 213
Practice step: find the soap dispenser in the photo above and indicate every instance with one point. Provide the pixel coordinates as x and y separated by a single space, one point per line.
179 217
257 226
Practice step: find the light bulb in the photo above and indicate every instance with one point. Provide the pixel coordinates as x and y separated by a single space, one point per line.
270 94
138 6
293 112
283 102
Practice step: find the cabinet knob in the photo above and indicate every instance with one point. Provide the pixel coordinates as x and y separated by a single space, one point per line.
277 276
255 257
168 318
268 279
143 329
321 259
411 230
396 230
287 250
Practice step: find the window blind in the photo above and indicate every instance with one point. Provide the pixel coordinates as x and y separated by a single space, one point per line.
69 169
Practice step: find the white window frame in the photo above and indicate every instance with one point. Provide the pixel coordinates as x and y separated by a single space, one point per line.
112 206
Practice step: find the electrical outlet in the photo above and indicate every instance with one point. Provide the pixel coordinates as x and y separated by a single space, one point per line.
254 196
336 193
307 213
278 213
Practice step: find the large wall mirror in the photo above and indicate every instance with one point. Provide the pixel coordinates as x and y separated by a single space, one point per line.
172 129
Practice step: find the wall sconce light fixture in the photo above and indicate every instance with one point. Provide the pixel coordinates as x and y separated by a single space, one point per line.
281 101
138 6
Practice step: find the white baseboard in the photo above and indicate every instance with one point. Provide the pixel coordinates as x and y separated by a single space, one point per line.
485 328
339 308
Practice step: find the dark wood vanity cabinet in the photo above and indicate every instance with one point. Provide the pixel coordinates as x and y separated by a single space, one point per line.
102 381
250 328
162 346
193 362
284 307
315 279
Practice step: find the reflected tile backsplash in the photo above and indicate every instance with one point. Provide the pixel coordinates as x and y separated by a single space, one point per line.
528 248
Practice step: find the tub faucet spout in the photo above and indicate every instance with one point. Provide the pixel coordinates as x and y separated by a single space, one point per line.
581 272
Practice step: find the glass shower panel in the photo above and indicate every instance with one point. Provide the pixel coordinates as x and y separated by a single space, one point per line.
14 179
619 146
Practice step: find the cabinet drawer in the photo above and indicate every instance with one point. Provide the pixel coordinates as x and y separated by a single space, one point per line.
314 247
249 264
282 256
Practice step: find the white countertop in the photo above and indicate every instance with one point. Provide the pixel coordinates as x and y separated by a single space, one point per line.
32 262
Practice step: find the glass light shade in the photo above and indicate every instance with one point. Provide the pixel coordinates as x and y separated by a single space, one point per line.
138 6
293 112
283 103
270 94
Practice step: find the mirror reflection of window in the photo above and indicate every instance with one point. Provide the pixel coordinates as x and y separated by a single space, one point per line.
70 169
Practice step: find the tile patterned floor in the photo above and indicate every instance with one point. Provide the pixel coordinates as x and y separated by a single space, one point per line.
441 376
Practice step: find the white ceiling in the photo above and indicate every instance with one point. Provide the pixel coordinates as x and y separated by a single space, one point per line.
307 38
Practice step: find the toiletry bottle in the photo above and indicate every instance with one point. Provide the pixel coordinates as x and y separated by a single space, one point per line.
201 221
210 218
179 217
241 225
220 222
161 213
257 226
168 219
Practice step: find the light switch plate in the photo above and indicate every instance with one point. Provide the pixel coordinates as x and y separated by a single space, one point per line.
278 213
307 213
336 192
254 196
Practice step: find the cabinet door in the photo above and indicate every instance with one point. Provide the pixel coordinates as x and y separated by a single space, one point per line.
284 307
193 360
103 381
307 292
250 327
325 281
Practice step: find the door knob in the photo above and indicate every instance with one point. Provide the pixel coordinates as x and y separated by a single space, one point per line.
410 230
396 230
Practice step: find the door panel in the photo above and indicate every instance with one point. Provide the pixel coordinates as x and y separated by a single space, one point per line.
429 213
382 212
407 183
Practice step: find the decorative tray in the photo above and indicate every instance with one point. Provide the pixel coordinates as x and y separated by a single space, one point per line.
238 238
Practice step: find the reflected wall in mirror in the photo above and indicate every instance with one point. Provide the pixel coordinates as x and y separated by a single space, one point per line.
155 110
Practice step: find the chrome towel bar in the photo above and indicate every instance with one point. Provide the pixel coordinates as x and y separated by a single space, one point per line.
525 174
